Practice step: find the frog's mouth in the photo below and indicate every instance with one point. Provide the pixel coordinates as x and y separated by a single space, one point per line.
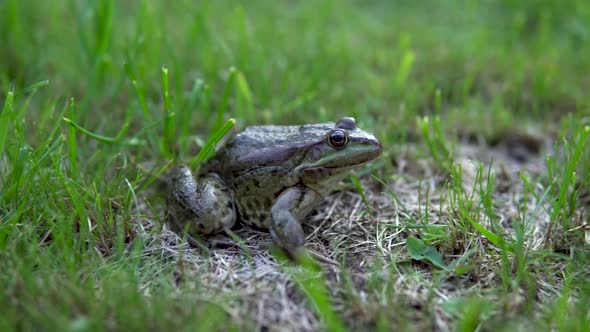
351 157
315 174
338 169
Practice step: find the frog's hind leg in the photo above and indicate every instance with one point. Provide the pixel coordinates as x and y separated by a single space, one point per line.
200 207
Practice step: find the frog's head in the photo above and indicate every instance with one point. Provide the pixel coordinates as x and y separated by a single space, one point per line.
342 147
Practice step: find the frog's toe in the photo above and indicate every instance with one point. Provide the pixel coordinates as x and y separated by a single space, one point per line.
288 235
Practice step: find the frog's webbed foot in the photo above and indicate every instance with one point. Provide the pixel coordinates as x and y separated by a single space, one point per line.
200 207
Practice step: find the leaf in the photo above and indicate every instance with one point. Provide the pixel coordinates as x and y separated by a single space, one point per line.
419 250
497 240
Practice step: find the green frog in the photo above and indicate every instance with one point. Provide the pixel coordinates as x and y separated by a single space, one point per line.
270 177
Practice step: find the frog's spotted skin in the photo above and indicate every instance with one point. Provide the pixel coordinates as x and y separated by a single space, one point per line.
208 204
274 175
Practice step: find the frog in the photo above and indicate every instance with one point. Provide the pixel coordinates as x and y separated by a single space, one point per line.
270 177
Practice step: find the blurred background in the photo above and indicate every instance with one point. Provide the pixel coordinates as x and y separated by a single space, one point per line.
384 62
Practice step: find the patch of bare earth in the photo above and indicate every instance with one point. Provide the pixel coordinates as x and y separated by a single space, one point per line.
377 276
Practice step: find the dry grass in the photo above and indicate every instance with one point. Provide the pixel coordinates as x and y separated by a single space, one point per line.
370 243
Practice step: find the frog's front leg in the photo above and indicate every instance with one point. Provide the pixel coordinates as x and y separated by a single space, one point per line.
200 207
290 208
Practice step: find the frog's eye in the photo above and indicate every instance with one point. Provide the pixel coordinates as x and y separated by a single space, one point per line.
338 138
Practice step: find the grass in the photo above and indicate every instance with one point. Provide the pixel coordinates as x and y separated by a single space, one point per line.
482 111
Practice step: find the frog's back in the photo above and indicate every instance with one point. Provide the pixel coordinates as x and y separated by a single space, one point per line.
256 164
254 138
261 146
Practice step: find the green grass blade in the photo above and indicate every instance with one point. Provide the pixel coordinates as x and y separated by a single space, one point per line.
72 142
244 98
431 129
405 68
168 134
100 138
567 180
138 90
104 26
208 148
34 87
360 190
5 120
226 93
312 281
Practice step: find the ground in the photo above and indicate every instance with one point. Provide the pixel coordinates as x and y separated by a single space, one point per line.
263 291
474 217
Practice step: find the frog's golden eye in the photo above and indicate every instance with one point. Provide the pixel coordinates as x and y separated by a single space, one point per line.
338 138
